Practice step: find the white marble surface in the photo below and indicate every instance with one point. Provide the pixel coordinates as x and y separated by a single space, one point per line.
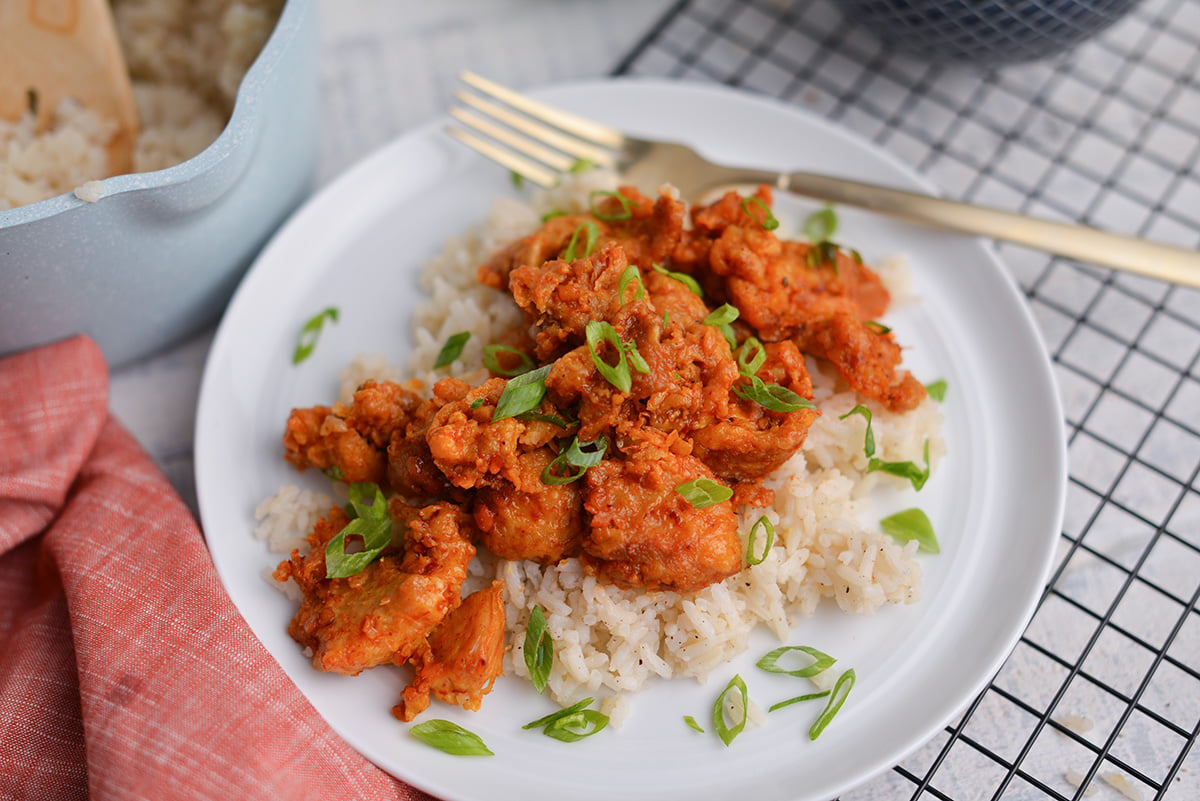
389 66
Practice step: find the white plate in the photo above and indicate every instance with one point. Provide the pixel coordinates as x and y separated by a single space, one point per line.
996 501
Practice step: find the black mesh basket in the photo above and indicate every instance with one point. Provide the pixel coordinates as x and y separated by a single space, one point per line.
987 33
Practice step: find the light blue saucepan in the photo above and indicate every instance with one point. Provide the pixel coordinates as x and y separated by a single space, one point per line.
156 259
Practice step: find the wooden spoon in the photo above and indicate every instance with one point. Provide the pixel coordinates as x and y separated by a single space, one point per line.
52 49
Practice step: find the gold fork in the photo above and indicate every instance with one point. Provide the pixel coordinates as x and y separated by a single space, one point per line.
541 142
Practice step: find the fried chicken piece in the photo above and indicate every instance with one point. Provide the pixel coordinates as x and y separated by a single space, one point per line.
382 614
541 522
751 441
411 469
350 439
473 450
462 658
644 533
649 234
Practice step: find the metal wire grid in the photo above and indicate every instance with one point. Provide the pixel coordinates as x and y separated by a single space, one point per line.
1102 693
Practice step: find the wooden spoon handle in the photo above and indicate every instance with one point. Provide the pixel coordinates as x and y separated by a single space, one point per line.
52 49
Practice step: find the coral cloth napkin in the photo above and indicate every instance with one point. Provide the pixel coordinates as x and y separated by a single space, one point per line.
125 670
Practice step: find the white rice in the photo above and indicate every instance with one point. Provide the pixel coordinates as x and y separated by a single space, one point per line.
611 641
186 59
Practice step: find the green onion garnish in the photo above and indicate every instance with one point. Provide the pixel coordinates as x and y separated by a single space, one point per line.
798 699
837 697
539 649
635 358
772 396
451 350
821 661
553 475
475 404
751 356
822 253
821 225
704 492
912 524
625 213
768 222
598 332
631 273
937 390
869 439
682 278
878 327
592 232
491 360
742 698
691 722
334 473
517 179
553 214
574 727
581 165
571 724
768 527
450 737
311 332
578 455
371 522
553 716
721 317
909 470
522 394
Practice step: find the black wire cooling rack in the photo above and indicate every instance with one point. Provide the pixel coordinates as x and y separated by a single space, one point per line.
1101 696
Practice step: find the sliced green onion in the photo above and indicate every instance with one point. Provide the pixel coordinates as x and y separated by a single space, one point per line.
635 358
631 273
311 332
822 253
539 649
692 724
937 390
553 419
450 738
682 278
704 492
586 454
451 350
869 439
625 213
522 394
517 179
562 713
821 661
576 726
553 214
909 470
598 332
581 165
371 522
837 697
722 315
768 222
878 327
491 360
767 526
798 699
333 473
742 698
475 404
821 225
751 356
912 524
593 233
553 474
772 396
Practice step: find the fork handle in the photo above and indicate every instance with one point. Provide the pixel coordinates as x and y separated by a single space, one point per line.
1165 262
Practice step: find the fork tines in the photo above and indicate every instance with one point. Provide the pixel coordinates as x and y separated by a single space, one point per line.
529 137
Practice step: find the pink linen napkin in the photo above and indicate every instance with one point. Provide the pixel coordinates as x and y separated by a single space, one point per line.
125 670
